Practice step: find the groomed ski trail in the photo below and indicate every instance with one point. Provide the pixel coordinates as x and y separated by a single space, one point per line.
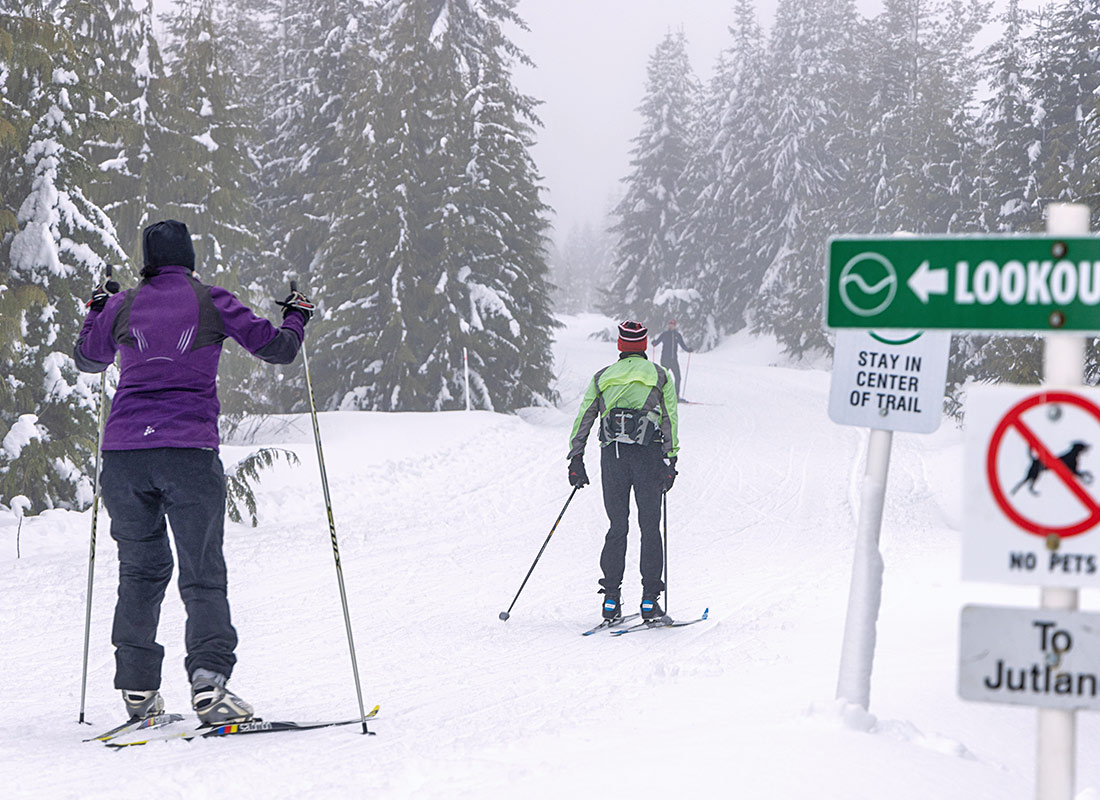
440 515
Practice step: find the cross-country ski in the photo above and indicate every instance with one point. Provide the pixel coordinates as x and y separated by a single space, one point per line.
253 726
663 622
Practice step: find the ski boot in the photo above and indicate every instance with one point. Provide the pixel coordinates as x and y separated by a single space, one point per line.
142 704
651 609
612 607
214 704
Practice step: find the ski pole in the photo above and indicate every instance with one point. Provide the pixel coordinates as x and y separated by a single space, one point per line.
664 510
95 517
332 530
505 614
687 369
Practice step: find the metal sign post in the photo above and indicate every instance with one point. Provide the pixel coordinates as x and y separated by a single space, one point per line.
857 655
884 382
1063 365
1033 516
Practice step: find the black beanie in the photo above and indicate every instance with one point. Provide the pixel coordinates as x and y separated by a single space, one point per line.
166 244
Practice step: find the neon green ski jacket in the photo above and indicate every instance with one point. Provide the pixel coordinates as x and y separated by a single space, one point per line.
631 382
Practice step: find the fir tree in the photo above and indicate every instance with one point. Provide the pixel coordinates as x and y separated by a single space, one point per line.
1008 131
722 234
647 284
55 253
1010 202
1066 92
439 244
811 64
208 180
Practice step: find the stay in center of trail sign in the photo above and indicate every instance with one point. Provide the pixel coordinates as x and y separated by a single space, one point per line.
1007 283
892 381
1032 501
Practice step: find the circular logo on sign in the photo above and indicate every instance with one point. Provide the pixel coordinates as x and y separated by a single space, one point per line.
868 284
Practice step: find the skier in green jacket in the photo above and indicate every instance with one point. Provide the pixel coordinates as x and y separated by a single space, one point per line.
635 402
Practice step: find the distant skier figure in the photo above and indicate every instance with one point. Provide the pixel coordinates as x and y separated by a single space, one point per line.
160 459
670 341
635 402
1069 458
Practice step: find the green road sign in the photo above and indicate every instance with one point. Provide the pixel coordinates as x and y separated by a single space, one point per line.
1008 283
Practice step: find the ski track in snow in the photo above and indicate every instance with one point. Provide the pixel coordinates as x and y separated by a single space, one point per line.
438 519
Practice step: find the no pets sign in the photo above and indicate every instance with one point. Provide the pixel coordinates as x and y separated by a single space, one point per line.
1032 507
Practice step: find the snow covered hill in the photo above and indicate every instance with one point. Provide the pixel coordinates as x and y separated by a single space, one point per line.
439 516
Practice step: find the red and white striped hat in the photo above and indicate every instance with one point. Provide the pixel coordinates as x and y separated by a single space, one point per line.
633 337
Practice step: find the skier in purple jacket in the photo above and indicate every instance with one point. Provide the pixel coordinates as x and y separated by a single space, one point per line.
160 460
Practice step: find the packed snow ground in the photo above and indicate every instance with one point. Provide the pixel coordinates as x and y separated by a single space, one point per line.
439 516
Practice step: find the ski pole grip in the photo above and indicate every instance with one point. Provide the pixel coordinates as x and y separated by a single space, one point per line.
293 286
110 270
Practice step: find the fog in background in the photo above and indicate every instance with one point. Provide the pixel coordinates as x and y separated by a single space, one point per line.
589 72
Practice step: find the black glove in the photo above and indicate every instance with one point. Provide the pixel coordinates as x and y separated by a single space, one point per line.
670 474
578 478
296 301
102 293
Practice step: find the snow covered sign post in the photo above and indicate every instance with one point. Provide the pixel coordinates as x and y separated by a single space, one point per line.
885 381
1033 513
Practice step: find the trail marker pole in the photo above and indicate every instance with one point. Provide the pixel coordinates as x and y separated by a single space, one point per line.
1063 364
857 654
466 369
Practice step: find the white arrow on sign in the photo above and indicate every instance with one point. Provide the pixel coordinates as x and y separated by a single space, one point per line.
927 281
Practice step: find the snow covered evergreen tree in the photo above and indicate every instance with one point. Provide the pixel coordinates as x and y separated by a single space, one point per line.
56 250
111 34
1066 93
1009 201
208 179
439 244
647 284
722 236
924 160
812 67
316 46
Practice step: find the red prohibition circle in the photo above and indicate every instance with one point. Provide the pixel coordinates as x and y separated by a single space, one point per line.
1012 420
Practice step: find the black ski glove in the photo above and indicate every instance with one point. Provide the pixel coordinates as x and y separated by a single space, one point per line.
578 478
102 293
296 301
670 474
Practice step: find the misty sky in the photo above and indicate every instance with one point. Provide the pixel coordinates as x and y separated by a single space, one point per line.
590 72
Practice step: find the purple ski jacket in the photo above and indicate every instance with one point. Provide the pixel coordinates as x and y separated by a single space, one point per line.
170 331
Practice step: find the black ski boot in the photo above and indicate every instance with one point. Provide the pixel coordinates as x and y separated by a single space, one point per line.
612 607
651 609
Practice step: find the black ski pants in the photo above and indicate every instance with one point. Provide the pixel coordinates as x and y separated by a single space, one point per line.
141 488
624 467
